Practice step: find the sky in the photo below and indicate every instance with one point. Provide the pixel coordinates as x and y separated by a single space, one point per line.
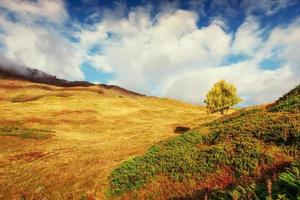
176 49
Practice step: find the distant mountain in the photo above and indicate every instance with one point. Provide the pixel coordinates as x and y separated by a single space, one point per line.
37 76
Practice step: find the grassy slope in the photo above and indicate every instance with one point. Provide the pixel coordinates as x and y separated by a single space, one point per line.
92 132
289 102
249 143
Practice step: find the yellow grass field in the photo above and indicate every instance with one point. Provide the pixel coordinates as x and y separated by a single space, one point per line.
94 130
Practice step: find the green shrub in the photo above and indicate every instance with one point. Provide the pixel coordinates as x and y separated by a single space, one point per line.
181 158
288 183
286 187
178 158
290 102
282 129
246 157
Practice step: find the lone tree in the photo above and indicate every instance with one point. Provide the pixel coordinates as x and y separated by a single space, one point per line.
221 97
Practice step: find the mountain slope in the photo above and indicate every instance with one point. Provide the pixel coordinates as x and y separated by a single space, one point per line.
290 102
251 146
37 76
62 142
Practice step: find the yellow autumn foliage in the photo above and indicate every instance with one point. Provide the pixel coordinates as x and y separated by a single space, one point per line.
221 97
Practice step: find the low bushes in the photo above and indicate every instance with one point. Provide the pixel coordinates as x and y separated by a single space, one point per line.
286 187
178 158
290 102
184 158
281 129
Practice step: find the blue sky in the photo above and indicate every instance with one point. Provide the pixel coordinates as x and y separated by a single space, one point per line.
174 49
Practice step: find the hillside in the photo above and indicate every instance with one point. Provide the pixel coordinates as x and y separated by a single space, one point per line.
61 142
250 154
37 76
105 142
289 102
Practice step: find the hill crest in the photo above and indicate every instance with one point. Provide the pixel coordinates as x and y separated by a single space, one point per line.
37 76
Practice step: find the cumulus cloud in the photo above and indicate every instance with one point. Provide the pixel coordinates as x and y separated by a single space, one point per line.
247 37
254 85
41 49
159 48
165 54
40 46
168 55
51 10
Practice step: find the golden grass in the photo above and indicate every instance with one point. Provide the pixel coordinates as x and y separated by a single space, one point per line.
94 132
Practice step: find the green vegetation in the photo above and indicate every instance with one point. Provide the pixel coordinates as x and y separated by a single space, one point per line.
281 129
238 141
25 132
178 158
253 145
288 184
221 97
286 187
290 102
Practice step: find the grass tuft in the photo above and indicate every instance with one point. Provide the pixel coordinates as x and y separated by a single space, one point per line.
25 132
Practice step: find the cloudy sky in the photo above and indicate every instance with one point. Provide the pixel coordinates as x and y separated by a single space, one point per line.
174 49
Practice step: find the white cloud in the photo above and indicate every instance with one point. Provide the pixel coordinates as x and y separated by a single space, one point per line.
287 39
52 10
39 46
254 85
170 56
90 37
150 52
268 7
166 54
247 37
99 62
